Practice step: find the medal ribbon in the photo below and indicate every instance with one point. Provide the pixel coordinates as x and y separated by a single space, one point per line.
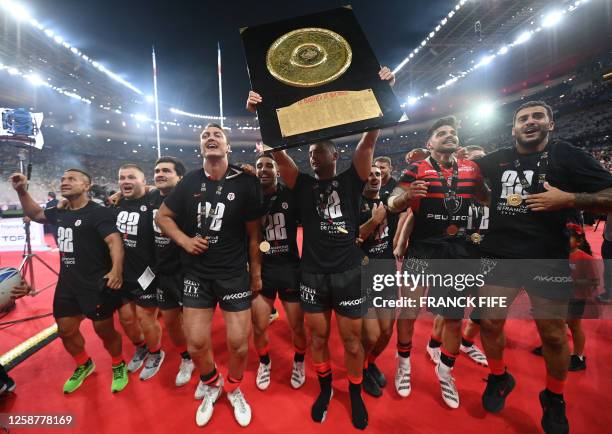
205 227
539 174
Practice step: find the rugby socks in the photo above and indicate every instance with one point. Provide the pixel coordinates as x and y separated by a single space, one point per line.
298 355
81 358
184 353
465 341
319 408
554 386
359 414
231 384
497 367
264 355
434 342
117 360
447 361
403 349
155 350
211 378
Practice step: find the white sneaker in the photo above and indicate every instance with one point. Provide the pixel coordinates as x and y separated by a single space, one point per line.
152 364
474 353
242 410
262 381
450 395
139 357
298 375
199 392
402 377
210 395
434 354
184 373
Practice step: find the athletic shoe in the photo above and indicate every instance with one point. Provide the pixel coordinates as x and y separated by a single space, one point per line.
554 420
450 394
402 377
378 376
210 395
263 376
120 378
242 410
273 316
498 388
369 385
474 353
434 354
298 375
80 374
138 360
537 351
184 373
577 363
152 364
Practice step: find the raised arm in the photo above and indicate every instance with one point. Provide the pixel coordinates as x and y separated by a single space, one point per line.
287 168
30 208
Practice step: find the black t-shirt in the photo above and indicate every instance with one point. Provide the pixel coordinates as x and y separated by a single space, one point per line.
379 245
431 213
240 202
280 229
84 255
516 231
329 211
385 190
167 253
135 223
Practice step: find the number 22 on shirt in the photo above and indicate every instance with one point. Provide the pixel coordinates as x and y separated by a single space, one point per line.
217 220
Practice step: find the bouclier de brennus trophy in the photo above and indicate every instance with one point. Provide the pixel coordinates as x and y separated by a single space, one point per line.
318 78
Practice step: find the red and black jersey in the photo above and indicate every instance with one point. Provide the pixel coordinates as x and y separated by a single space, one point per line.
433 213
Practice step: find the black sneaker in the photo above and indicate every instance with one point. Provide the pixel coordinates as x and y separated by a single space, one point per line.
577 363
370 386
378 376
553 418
498 387
537 351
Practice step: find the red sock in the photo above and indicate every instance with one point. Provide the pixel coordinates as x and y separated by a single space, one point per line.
372 358
263 351
81 358
117 360
365 363
156 349
323 369
497 367
465 338
231 384
181 349
299 351
355 380
554 385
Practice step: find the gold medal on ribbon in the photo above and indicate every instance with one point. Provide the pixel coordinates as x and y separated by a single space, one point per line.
514 199
264 246
452 230
342 230
309 57
476 238
365 261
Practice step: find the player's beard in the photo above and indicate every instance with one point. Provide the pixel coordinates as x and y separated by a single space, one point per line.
532 143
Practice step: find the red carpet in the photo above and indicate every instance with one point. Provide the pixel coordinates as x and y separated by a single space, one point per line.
157 406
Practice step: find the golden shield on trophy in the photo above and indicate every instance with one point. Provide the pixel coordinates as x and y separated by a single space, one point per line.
309 57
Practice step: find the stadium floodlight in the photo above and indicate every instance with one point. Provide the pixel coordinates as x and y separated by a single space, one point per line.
523 37
485 110
552 19
412 100
18 11
485 61
141 117
503 50
13 71
35 79
58 39
49 33
149 98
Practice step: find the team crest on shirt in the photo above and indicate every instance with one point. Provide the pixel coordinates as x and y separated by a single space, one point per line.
231 196
453 204
143 208
77 223
285 205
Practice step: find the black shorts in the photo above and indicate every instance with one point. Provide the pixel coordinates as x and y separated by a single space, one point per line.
338 291
169 290
233 295
132 291
94 304
575 308
379 294
442 259
284 281
546 278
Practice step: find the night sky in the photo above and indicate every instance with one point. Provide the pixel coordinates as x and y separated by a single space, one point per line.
120 34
